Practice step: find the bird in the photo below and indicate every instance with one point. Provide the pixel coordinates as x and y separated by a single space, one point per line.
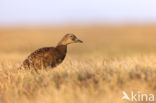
50 56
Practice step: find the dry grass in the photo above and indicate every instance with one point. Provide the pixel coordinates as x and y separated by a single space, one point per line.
111 60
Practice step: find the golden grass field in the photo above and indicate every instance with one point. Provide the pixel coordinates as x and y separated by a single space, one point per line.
112 59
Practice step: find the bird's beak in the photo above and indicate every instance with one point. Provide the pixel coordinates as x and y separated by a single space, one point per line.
79 41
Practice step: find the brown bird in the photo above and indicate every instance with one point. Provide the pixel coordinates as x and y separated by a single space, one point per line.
50 56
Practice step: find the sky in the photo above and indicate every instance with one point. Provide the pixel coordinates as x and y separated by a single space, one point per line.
76 11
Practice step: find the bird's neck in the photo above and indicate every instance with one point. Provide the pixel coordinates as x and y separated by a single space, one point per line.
62 48
62 42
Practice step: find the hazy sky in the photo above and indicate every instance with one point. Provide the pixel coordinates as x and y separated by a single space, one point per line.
66 11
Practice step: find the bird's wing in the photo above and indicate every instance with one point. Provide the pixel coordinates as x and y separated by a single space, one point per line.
40 52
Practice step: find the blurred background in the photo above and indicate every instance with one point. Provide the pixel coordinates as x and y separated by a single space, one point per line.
110 26
118 53
69 12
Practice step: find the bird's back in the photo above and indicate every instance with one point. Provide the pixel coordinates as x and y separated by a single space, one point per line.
43 58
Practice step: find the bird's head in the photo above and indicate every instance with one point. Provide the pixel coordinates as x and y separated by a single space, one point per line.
69 38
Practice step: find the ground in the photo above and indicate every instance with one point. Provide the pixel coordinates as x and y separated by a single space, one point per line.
111 60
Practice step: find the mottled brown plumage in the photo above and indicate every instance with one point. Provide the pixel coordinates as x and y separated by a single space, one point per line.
50 56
